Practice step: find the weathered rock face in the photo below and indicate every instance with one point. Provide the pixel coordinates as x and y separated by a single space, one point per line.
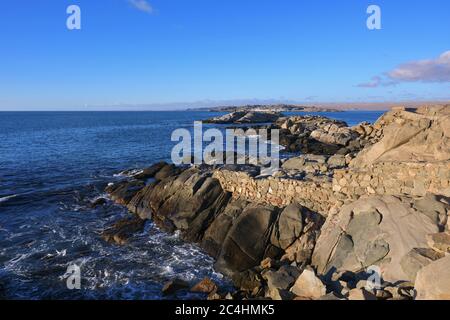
433 281
418 136
245 117
373 231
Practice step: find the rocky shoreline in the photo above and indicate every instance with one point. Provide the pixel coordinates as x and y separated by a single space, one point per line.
358 197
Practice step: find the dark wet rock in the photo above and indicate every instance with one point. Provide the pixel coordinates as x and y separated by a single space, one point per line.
122 192
98 202
122 230
173 286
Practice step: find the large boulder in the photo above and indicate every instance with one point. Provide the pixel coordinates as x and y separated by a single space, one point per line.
248 240
288 227
376 230
433 281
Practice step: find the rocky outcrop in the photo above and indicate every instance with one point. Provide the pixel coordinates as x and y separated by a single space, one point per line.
314 134
239 234
374 231
421 136
373 195
241 117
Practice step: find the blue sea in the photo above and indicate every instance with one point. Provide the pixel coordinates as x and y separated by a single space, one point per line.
52 166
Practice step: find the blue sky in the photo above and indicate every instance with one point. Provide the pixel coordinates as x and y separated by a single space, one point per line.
167 52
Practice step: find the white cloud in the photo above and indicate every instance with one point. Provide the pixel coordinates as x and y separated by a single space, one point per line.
432 70
142 5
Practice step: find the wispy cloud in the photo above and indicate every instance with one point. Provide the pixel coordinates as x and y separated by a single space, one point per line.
142 5
431 70
376 82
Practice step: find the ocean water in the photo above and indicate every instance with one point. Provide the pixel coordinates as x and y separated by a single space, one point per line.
52 166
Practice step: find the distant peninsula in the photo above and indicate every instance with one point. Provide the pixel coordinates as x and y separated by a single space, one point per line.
266 108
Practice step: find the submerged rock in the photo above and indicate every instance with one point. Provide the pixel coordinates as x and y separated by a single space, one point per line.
123 229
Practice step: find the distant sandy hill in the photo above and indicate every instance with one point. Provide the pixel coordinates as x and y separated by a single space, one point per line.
320 107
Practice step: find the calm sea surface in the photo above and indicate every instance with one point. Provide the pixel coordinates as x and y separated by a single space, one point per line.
52 165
